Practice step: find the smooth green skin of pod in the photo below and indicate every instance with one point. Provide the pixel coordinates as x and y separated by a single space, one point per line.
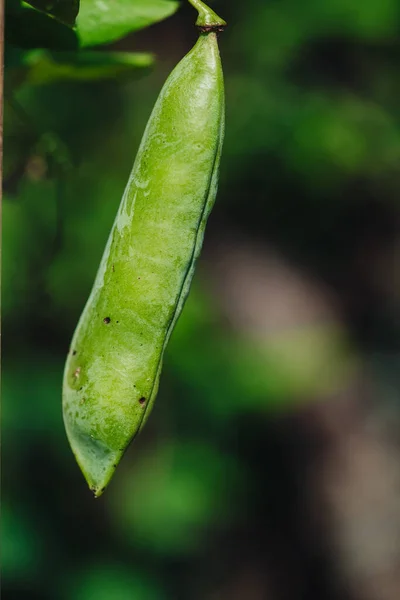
113 367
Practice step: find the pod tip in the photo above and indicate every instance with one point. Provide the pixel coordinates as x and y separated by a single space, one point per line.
96 461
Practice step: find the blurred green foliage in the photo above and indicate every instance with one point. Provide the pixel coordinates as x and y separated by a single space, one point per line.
310 165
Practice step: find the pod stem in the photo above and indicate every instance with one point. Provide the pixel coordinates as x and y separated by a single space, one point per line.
207 20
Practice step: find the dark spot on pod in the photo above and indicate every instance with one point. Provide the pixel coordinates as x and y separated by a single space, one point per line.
106 320
115 466
117 321
113 269
102 489
142 401
73 353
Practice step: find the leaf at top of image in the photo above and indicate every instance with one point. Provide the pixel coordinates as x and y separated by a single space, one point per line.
65 11
105 21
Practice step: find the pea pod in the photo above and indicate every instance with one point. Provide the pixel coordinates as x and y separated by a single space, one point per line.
113 367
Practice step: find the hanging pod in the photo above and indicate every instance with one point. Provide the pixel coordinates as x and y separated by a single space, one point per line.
113 367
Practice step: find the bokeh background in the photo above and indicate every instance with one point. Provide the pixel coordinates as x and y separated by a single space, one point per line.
270 467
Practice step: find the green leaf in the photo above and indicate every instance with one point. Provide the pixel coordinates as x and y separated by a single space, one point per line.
65 11
40 67
103 22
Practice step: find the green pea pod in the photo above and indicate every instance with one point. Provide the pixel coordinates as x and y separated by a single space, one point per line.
113 368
